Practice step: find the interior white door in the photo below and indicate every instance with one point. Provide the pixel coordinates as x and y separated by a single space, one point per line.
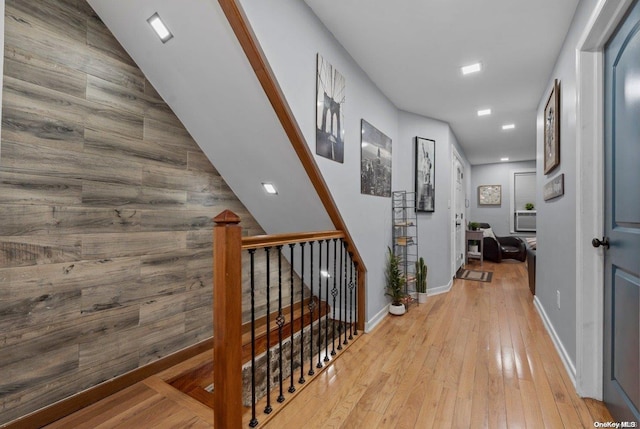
459 199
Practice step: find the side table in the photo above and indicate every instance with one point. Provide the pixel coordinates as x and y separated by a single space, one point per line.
478 236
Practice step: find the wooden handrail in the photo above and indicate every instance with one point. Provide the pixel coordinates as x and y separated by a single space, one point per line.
257 241
249 43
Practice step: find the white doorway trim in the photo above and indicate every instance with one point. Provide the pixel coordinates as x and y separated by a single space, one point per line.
456 247
590 194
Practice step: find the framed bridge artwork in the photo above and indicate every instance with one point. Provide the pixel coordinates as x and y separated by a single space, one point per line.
330 97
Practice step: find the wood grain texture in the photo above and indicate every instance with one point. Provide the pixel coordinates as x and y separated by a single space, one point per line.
451 363
123 389
448 363
106 204
227 320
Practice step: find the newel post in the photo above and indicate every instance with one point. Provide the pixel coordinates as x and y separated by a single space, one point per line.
227 321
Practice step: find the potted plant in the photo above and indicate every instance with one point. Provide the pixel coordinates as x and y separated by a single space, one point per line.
473 226
395 284
421 280
529 206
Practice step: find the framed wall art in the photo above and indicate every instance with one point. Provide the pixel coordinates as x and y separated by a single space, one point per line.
425 174
375 161
330 97
554 188
552 129
489 195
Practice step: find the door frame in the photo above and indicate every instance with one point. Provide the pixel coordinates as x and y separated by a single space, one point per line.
590 194
452 205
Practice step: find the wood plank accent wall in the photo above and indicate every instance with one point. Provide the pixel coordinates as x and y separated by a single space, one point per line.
105 212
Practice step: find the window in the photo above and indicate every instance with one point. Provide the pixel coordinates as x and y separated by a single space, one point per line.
523 191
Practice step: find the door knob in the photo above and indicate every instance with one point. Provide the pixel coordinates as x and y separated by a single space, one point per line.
458 224
597 243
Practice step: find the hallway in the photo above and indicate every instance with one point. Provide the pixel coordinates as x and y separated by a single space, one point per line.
478 356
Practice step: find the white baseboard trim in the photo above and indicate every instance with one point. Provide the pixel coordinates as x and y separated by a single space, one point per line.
371 324
564 356
440 289
375 320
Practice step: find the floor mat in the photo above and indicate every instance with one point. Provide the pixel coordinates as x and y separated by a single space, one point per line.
478 276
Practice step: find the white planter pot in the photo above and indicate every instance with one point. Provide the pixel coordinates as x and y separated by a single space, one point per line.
422 297
473 248
397 310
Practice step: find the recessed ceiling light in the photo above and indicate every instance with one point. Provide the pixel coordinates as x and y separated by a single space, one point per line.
324 273
270 188
504 159
160 28
508 126
484 112
471 68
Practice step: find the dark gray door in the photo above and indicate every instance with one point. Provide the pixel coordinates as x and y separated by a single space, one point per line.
622 220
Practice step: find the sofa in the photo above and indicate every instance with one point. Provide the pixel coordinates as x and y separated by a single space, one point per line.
531 268
498 248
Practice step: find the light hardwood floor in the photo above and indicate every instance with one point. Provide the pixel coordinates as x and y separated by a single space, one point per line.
476 357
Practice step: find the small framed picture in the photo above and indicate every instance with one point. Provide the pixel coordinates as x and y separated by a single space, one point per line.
554 188
489 195
552 129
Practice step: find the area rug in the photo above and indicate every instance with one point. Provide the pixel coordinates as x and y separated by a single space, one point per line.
478 276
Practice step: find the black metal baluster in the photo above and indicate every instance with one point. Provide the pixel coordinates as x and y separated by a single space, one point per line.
301 379
334 294
292 388
355 300
326 295
339 293
254 422
344 248
268 408
319 364
311 310
280 321
350 295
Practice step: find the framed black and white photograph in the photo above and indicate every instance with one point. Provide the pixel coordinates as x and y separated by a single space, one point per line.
489 195
425 174
552 129
375 162
330 97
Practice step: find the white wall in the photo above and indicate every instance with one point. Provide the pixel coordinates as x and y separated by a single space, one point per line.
556 260
434 232
291 35
495 174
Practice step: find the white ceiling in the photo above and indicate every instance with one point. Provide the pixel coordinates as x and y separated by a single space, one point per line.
413 49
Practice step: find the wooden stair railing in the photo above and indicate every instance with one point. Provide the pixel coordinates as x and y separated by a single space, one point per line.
198 380
334 291
256 57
